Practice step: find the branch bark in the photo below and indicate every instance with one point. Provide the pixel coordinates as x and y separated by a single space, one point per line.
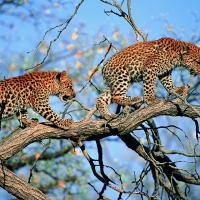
17 187
90 130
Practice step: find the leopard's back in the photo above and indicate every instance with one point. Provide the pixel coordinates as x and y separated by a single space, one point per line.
129 60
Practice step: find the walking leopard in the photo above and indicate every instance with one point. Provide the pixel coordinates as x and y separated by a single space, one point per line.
145 61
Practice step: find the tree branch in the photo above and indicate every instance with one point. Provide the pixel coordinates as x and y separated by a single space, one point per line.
92 129
96 129
66 23
19 188
127 17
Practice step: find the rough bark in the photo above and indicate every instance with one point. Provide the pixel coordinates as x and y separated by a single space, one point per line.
17 187
92 129
86 130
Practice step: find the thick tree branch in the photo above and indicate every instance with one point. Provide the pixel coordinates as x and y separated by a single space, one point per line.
97 129
16 186
90 130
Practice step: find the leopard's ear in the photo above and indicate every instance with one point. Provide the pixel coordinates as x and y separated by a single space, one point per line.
62 76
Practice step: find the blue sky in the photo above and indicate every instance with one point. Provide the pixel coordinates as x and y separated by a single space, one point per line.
148 16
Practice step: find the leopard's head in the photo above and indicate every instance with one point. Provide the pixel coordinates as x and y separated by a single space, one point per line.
190 57
65 89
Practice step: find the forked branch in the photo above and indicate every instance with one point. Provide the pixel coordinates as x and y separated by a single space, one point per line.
128 17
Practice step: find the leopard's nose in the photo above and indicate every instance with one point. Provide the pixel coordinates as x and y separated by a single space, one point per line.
73 94
198 70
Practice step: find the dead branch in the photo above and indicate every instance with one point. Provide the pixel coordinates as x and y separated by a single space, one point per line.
36 160
66 23
127 17
96 69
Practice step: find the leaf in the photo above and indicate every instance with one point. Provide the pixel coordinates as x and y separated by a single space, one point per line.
74 36
78 54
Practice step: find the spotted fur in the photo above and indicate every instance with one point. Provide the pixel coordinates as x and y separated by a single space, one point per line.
145 61
33 90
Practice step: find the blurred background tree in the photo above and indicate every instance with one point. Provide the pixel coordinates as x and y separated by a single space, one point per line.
61 170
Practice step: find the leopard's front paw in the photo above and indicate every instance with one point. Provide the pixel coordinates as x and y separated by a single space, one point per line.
153 100
182 90
110 116
66 123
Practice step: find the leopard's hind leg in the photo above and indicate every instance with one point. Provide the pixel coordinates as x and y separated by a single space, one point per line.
116 94
119 90
102 102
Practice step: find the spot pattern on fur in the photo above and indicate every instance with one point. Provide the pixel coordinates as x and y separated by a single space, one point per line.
145 61
33 90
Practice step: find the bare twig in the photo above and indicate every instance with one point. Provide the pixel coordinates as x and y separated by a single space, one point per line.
197 128
34 165
96 69
184 100
115 48
100 153
90 113
127 17
101 178
66 23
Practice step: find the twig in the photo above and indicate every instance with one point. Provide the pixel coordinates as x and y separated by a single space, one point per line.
193 89
127 17
115 48
184 100
34 165
90 113
96 69
100 159
197 128
68 104
101 178
98 66
90 160
59 33
95 86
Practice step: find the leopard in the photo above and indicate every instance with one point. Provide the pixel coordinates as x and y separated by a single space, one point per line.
146 61
33 90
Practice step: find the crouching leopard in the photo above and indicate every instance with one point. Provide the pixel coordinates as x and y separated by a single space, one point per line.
145 61
33 90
